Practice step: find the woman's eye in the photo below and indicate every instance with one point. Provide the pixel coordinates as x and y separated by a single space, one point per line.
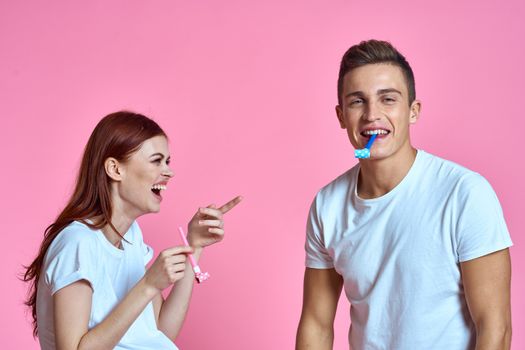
157 161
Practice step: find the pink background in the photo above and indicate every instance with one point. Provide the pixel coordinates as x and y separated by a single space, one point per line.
246 93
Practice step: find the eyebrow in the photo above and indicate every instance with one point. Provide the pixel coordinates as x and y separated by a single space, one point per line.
379 92
388 91
158 154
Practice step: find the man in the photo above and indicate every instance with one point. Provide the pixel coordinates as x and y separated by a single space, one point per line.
419 243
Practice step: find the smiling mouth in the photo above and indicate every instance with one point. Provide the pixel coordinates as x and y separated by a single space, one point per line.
157 188
378 132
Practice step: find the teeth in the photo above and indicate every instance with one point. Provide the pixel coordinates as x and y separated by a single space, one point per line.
159 187
373 132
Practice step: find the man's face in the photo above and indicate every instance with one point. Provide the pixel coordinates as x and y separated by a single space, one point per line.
375 100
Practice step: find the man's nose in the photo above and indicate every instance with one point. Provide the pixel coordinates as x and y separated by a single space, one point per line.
372 112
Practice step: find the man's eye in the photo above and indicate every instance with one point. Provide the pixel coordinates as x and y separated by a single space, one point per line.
356 102
389 100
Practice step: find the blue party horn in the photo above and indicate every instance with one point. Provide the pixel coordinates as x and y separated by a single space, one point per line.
365 152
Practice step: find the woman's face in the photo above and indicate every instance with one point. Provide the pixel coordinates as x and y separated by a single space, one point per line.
144 176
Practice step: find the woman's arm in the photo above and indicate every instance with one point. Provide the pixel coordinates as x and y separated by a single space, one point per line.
205 228
72 305
173 310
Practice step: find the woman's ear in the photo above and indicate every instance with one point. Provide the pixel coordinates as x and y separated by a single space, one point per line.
113 169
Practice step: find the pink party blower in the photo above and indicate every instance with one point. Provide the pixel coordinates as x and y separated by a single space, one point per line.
199 276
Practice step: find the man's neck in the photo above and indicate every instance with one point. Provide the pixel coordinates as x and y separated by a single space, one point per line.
378 177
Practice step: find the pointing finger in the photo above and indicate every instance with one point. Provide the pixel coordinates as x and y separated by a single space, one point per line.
229 206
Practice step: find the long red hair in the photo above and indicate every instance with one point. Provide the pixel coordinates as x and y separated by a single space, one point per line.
117 135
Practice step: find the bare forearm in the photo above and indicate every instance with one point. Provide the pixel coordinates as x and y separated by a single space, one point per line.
311 336
174 309
493 338
486 281
108 333
322 288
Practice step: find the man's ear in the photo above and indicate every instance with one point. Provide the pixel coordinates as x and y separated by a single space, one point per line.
113 169
340 117
415 110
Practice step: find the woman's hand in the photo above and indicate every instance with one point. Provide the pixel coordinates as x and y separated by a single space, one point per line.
207 225
168 268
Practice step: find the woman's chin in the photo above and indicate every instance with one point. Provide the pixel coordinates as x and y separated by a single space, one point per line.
155 209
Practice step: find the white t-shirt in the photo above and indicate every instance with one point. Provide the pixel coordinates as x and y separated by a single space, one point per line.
399 254
80 253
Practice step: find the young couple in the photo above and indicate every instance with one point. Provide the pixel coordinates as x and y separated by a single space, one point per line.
419 243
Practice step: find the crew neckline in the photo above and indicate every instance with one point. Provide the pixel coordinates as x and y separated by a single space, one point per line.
413 168
107 244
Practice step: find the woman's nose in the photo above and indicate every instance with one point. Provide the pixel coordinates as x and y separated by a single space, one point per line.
168 172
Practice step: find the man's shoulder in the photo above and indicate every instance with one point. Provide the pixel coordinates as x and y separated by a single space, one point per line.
444 168
340 185
444 171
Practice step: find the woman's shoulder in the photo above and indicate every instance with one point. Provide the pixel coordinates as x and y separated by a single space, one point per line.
74 254
76 234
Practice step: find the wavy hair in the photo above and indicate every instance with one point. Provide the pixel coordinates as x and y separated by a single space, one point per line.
117 135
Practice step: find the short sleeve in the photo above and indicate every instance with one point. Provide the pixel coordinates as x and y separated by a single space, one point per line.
71 258
481 227
317 256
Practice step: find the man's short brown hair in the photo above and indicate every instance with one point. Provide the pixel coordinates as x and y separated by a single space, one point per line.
372 52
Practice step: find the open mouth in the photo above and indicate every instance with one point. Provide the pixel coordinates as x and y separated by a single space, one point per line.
157 188
379 132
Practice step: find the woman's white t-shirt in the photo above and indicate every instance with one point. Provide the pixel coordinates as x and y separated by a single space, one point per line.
80 253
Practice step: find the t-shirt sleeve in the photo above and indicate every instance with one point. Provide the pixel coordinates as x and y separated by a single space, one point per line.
481 227
146 250
71 258
317 256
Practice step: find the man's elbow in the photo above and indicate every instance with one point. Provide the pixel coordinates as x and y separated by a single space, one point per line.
494 335
314 335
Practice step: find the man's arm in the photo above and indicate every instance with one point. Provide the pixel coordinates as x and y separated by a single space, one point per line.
322 288
487 290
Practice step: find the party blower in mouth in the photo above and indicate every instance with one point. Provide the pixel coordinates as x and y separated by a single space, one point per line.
365 152
199 275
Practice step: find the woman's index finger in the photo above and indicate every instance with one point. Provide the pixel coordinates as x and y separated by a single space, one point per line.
229 206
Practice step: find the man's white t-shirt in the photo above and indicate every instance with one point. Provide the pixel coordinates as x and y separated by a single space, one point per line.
80 253
399 254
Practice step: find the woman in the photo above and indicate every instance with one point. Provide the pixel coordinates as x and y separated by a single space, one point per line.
89 285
